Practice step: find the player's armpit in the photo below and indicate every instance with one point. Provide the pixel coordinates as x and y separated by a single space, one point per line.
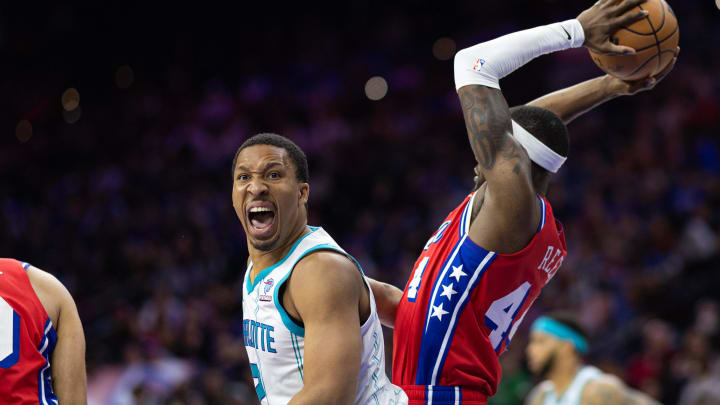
387 298
326 290
68 359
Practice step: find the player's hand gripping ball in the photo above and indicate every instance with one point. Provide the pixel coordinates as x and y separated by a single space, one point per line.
654 38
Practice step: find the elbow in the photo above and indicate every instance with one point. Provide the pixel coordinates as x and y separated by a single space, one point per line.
461 62
460 57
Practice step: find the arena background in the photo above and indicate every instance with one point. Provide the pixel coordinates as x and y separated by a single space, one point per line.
120 122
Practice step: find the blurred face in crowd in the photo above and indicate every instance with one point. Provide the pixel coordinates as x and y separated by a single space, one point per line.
267 197
541 352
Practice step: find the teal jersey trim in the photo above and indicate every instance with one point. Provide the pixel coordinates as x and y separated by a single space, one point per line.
266 271
298 354
287 321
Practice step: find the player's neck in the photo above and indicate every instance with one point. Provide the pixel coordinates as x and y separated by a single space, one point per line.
563 374
541 184
263 259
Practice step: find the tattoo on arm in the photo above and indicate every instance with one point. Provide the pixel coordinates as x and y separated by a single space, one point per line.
487 120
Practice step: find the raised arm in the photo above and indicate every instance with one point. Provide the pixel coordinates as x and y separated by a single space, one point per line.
574 101
509 208
325 291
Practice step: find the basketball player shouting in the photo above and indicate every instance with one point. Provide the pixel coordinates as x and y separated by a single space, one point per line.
39 328
487 262
555 351
310 325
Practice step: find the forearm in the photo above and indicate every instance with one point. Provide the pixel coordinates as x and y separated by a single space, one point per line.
486 63
478 71
574 101
387 298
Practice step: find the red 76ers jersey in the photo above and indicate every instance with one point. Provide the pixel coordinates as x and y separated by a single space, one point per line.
462 306
27 340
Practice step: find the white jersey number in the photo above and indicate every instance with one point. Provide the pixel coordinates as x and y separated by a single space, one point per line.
417 278
502 312
9 335
260 387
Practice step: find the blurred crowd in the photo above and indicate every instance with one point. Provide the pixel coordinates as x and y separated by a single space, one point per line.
126 198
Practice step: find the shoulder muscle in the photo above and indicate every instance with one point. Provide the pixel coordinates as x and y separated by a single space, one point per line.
52 293
324 282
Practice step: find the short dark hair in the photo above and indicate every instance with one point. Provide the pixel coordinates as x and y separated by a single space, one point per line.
544 125
568 319
296 154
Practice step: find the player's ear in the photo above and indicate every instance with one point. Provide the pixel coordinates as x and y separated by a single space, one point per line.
303 193
567 347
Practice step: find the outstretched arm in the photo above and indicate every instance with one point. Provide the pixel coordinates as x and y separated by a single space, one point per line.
387 298
574 101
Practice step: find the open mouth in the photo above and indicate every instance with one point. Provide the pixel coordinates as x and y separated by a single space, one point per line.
261 217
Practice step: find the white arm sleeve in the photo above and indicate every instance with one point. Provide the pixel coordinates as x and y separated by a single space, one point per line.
486 63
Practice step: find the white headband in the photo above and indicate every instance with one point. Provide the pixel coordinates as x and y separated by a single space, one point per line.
539 153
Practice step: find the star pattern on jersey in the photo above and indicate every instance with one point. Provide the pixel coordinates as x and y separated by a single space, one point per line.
438 311
448 291
457 272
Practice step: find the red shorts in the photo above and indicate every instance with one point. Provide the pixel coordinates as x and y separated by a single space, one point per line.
443 395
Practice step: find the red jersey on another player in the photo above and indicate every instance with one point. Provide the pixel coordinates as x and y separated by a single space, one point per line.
27 339
462 306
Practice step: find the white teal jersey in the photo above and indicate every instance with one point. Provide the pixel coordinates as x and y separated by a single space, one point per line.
275 343
573 393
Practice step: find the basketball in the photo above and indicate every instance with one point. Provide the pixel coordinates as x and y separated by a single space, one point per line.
654 39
